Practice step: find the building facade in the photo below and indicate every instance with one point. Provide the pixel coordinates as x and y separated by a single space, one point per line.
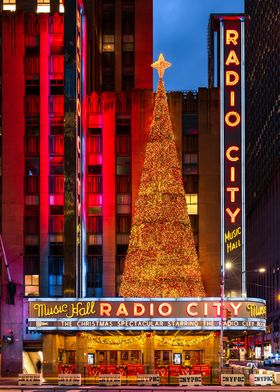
262 152
75 119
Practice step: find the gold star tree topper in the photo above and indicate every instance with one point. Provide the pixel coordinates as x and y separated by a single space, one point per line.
161 65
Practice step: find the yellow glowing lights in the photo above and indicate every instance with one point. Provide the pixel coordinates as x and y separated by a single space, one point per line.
114 341
161 260
232 37
232 119
161 65
181 341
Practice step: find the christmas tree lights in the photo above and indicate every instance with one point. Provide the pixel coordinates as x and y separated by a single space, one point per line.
161 260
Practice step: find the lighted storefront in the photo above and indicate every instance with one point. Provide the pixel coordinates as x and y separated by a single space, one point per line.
131 336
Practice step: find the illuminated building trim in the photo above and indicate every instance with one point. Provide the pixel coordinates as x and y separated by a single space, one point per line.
222 146
232 146
156 314
243 238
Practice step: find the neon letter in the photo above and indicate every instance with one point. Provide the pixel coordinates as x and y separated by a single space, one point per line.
232 58
218 306
105 309
232 174
232 123
232 193
189 311
232 98
233 215
161 309
228 153
231 36
138 309
122 311
235 308
232 78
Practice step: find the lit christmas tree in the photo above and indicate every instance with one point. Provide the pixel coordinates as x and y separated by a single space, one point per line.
161 260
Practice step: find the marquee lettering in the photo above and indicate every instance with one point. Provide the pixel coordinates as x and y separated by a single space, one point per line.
232 58
232 191
233 214
122 309
229 155
256 311
232 119
232 78
231 37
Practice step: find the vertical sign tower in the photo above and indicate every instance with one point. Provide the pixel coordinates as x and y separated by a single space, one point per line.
229 32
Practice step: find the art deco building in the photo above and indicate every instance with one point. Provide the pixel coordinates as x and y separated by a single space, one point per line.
76 107
262 152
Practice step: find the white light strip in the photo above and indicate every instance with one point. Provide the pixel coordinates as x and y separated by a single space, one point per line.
120 299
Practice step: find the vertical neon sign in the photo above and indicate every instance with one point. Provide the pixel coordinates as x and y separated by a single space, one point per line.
232 117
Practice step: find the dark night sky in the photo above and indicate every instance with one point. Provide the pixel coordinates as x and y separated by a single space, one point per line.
180 33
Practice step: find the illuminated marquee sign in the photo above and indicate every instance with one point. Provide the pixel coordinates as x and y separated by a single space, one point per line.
145 314
232 149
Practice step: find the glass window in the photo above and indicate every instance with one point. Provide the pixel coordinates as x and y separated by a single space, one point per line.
108 43
95 224
9 5
123 165
31 283
31 224
123 184
61 6
189 158
94 143
192 203
190 183
94 184
56 224
56 267
113 357
43 6
123 144
123 223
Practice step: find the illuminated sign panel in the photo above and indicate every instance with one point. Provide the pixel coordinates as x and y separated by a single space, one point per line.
232 151
145 314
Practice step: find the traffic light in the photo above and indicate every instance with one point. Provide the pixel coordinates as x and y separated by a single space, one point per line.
228 315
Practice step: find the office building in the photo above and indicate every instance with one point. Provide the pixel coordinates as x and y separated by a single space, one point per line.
262 169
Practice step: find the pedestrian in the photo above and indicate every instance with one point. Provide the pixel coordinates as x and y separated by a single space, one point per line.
39 366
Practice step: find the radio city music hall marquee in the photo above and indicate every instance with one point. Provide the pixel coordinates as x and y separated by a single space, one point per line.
145 314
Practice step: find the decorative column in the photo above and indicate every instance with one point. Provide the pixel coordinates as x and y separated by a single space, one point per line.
50 350
13 90
109 195
44 153
149 357
81 355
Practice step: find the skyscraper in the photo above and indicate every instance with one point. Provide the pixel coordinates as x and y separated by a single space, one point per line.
66 89
262 156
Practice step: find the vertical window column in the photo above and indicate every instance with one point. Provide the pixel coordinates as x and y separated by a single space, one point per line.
31 255
108 45
123 193
94 212
190 168
128 38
